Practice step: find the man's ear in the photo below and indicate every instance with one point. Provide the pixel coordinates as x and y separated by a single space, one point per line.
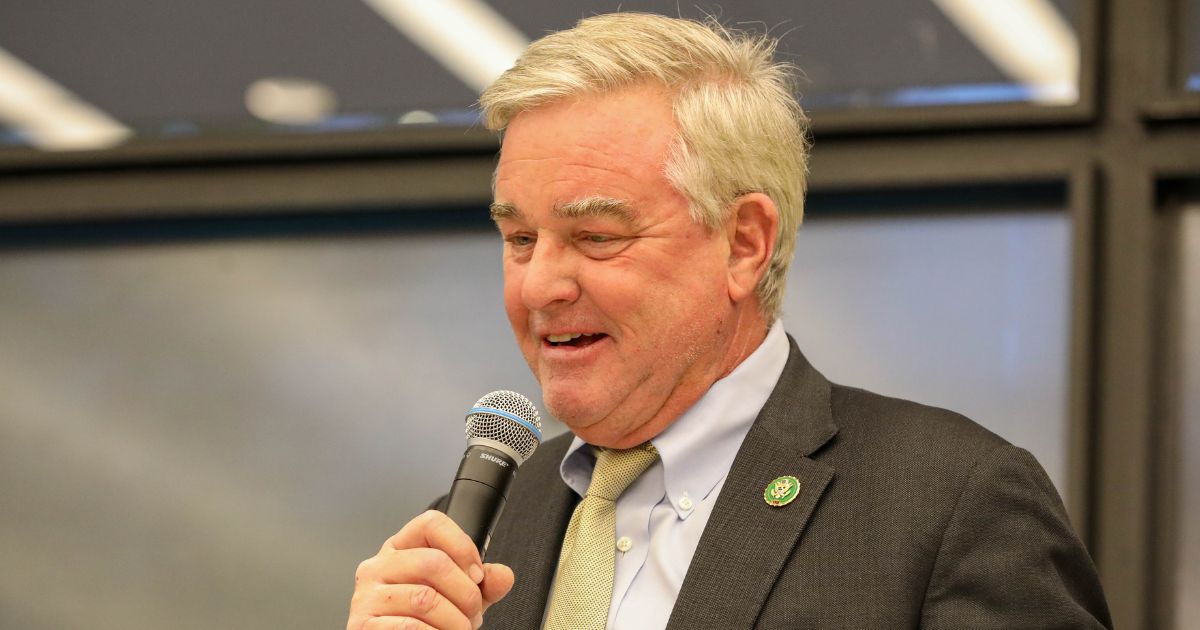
751 228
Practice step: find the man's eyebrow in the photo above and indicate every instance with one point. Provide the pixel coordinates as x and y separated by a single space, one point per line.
500 211
597 207
594 206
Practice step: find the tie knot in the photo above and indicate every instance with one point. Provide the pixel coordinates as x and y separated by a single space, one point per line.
615 470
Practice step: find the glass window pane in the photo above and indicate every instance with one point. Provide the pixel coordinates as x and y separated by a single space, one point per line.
213 435
1191 48
171 69
965 311
888 54
1186 582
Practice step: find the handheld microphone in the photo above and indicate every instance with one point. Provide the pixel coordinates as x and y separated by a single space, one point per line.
503 430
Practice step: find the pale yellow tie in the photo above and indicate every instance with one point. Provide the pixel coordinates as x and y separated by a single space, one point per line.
584 583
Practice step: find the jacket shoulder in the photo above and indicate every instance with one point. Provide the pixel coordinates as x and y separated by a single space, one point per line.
885 424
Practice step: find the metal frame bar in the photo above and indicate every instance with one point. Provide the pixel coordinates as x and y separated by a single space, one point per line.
216 149
1122 510
283 187
1081 405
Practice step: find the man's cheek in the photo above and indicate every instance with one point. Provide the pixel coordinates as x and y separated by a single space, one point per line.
513 308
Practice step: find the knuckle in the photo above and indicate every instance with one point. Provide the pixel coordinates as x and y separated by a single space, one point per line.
431 518
433 562
423 599
365 569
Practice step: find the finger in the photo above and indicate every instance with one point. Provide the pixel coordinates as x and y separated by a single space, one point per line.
498 581
416 601
431 567
396 623
436 530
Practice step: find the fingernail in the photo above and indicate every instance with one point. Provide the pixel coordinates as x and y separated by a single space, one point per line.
477 621
475 573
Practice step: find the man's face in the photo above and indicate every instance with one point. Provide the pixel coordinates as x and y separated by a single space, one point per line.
619 301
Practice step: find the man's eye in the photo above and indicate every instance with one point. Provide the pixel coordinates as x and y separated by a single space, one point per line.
520 240
599 238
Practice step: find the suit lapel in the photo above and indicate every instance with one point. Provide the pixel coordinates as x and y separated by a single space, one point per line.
747 542
528 538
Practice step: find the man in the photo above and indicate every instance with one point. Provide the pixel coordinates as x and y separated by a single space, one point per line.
648 192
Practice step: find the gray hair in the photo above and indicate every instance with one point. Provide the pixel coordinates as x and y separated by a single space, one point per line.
740 127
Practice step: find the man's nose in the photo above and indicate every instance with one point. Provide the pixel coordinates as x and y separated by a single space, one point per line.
550 276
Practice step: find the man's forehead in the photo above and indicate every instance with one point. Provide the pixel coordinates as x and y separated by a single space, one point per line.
595 132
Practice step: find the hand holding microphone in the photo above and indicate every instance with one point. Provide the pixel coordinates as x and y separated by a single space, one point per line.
432 570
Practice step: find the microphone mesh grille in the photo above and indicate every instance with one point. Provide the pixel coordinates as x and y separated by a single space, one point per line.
509 432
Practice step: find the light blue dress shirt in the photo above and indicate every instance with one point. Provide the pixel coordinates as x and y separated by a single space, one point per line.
661 515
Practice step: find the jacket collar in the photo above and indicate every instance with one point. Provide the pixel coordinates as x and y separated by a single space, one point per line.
745 536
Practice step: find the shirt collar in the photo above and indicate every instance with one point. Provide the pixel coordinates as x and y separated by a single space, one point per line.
698 449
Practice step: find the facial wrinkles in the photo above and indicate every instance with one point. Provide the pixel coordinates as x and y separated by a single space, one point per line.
590 159
583 315
578 180
665 393
661 300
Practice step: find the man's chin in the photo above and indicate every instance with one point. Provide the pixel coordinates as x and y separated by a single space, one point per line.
575 411
569 412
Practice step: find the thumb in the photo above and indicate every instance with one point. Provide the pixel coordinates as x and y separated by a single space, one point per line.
497 582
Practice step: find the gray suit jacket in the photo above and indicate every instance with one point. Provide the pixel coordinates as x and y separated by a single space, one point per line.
908 516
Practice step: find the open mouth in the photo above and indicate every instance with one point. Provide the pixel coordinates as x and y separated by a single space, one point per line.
573 340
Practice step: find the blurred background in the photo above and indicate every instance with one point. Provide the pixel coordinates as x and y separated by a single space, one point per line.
248 286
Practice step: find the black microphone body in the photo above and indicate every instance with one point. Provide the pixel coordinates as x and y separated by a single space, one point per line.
503 430
480 488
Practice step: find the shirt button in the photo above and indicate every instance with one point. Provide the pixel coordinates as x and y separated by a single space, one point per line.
685 503
624 544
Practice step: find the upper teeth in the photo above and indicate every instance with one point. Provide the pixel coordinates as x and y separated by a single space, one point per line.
567 337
